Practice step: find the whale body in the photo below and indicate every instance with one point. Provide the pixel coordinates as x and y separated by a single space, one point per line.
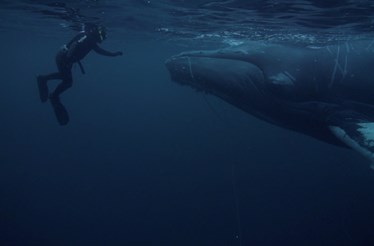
324 92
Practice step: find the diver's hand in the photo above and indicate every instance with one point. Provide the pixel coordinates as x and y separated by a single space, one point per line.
119 53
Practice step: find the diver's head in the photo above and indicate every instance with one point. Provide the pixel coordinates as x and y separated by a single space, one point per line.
98 32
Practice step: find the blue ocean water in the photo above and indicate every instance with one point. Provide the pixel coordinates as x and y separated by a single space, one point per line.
145 161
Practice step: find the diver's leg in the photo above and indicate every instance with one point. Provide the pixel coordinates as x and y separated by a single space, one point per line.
67 81
63 86
59 109
42 85
43 79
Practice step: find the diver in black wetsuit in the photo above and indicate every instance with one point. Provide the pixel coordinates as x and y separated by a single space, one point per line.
71 53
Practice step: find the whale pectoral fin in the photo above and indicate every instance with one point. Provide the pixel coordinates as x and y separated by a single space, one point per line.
357 134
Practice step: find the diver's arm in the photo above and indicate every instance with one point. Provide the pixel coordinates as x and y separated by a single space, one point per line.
103 52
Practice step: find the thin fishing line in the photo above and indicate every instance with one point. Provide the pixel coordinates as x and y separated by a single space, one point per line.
236 202
233 183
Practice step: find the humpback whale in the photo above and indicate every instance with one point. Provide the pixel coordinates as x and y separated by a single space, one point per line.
324 92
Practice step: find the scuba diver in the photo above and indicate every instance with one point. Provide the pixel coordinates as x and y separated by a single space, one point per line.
71 53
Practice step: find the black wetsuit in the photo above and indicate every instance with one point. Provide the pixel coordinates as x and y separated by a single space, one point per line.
71 53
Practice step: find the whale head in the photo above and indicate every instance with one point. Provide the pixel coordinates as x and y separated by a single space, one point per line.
224 75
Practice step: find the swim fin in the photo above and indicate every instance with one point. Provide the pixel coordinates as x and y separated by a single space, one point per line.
43 89
60 111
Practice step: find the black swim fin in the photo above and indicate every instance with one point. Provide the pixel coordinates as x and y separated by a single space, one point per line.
43 89
60 111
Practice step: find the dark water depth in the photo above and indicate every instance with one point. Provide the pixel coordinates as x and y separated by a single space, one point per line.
145 161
